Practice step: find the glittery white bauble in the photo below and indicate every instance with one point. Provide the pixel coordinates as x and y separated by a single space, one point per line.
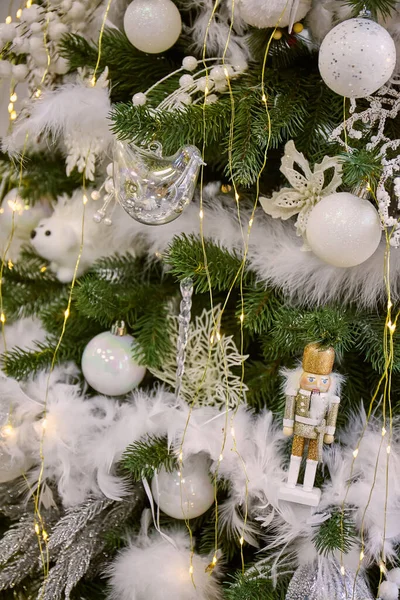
185 494
343 230
152 26
108 366
272 13
357 57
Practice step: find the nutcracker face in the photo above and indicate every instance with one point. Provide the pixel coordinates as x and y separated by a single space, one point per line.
312 381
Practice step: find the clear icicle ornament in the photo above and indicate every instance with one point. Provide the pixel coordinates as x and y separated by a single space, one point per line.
154 189
311 582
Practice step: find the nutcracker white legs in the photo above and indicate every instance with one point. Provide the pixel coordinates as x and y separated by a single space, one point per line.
294 469
309 476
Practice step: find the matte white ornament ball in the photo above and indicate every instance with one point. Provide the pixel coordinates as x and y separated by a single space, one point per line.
8 31
56 30
108 366
344 230
152 26
184 494
272 13
357 57
184 98
31 14
189 63
139 99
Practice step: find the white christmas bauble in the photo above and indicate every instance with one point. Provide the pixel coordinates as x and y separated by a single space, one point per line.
357 57
343 230
108 366
152 26
271 13
184 494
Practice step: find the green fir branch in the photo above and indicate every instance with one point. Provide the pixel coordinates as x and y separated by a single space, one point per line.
186 258
336 533
146 456
383 7
253 585
130 70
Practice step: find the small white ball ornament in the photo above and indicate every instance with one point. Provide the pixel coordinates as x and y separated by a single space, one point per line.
190 63
357 57
139 99
344 230
184 494
107 363
152 26
186 80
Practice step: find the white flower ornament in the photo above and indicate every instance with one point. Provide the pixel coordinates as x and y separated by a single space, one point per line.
308 187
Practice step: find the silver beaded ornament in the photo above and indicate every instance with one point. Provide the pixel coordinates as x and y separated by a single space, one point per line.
307 584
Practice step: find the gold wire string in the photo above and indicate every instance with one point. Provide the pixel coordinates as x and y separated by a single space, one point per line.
100 42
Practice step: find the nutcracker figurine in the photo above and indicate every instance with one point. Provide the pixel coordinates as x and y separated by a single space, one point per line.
310 414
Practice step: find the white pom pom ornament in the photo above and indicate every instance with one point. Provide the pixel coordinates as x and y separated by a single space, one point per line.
107 363
388 590
184 494
154 568
343 230
272 13
152 26
357 57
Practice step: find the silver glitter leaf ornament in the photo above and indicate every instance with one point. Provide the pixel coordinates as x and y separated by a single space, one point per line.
308 583
154 189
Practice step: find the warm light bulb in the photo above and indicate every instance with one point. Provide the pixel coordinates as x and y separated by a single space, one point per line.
342 570
10 107
242 318
201 214
37 528
13 115
383 431
8 20
38 93
3 318
355 453
7 430
13 97
28 3
66 313
19 13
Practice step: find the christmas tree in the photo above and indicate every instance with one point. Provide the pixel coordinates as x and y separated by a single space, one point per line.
199 294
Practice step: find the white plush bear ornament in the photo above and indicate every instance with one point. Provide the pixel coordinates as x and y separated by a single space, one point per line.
58 238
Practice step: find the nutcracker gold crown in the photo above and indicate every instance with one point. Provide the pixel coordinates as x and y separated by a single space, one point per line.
318 360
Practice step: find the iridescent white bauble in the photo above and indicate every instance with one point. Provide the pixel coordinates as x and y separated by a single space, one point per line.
272 13
357 57
185 494
152 26
344 230
108 366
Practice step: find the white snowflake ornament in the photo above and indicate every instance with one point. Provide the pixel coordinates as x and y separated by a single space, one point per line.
308 187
